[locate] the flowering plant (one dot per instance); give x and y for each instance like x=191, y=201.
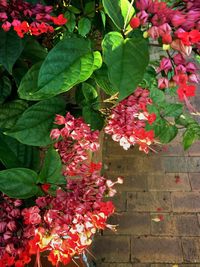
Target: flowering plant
x=69, y=70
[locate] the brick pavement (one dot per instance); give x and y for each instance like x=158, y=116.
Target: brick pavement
x=163, y=186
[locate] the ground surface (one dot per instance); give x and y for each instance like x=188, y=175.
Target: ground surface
x=158, y=208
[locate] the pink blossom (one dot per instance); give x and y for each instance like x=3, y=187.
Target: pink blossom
x=165, y=65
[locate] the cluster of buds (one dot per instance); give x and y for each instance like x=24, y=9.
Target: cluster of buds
x=128, y=119
x=26, y=18
x=13, y=244
x=177, y=27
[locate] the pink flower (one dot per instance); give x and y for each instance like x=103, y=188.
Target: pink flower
x=31, y=215
x=154, y=32
x=6, y=26
x=142, y=16
x=165, y=65
x=178, y=19
x=142, y=4
x=163, y=83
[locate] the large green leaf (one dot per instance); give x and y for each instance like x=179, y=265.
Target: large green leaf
x=120, y=11
x=84, y=26
x=28, y=85
x=33, y=51
x=14, y=154
x=5, y=88
x=19, y=183
x=52, y=168
x=35, y=124
x=173, y=110
x=70, y=62
x=168, y=133
x=102, y=80
x=126, y=61
x=11, y=47
x=10, y=112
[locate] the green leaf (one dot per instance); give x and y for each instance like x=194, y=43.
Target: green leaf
x=28, y=85
x=189, y=137
x=71, y=23
x=93, y=117
x=168, y=133
x=173, y=110
x=33, y=51
x=157, y=96
x=102, y=80
x=84, y=26
x=14, y=154
x=89, y=92
x=126, y=61
x=120, y=12
x=5, y=88
x=35, y=124
x=10, y=112
x=69, y=63
x=52, y=168
x=18, y=183
x=11, y=47
x=89, y=9
x=103, y=18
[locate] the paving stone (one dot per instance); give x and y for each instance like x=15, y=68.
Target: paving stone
x=186, y=201
x=175, y=265
x=195, y=181
x=191, y=248
x=175, y=164
x=112, y=249
x=194, y=150
x=175, y=225
x=116, y=265
x=168, y=182
x=193, y=164
x=186, y=225
x=148, y=201
x=130, y=223
x=119, y=200
x=135, y=182
x=156, y=249
x=164, y=227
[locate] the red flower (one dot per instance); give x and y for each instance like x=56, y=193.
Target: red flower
x=151, y=118
x=135, y=23
x=22, y=29
x=60, y=20
x=186, y=90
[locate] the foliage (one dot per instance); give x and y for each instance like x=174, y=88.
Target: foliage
x=68, y=70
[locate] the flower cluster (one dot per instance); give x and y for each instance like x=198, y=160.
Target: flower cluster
x=26, y=18
x=13, y=243
x=128, y=120
x=178, y=28
x=183, y=73
x=77, y=140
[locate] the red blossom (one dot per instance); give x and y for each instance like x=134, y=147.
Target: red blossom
x=60, y=20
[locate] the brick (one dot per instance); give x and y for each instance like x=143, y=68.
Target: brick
x=179, y=265
x=135, y=182
x=191, y=248
x=195, y=181
x=175, y=164
x=172, y=149
x=115, y=265
x=164, y=227
x=194, y=150
x=193, y=164
x=130, y=223
x=186, y=201
x=119, y=200
x=167, y=182
x=176, y=225
x=186, y=225
x=156, y=249
x=111, y=249
x=148, y=201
